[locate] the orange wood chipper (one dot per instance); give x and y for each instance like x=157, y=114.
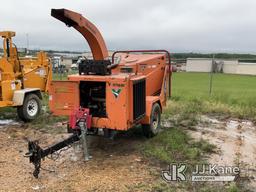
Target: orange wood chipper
x=22, y=79
x=108, y=95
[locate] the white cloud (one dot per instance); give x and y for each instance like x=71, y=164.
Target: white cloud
x=176, y=25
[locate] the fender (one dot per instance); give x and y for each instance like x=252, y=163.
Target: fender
x=150, y=100
x=19, y=95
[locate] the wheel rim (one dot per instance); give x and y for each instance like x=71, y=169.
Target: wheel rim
x=155, y=121
x=32, y=107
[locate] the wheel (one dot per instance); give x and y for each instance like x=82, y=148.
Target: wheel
x=30, y=109
x=153, y=128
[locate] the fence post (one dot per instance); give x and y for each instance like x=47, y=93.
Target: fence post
x=211, y=75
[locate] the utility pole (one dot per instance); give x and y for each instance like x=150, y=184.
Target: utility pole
x=27, y=43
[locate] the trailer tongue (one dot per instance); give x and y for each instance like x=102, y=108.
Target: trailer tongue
x=36, y=153
x=79, y=123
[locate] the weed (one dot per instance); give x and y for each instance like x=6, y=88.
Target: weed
x=175, y=145
x=233, y=188
x=8, y=113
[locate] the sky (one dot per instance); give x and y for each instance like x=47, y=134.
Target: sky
x=176, y=25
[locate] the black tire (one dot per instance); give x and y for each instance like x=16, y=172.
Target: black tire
x=153, y=128
x=30, y=109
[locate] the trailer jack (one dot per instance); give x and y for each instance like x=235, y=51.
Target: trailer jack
x=79, y=122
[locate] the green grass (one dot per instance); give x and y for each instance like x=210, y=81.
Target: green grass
x=232, y=95
x=8, y=113
x=63, y=76
x=57, y=77
x=226, y=88
x=175, y=145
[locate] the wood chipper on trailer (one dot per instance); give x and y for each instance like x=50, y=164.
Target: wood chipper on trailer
x=22, y=79
x=108, y=95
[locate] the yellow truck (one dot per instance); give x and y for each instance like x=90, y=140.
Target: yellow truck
x=22, y=79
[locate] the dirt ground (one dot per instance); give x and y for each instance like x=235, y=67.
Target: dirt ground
x=235, y=140
x=115, y=165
